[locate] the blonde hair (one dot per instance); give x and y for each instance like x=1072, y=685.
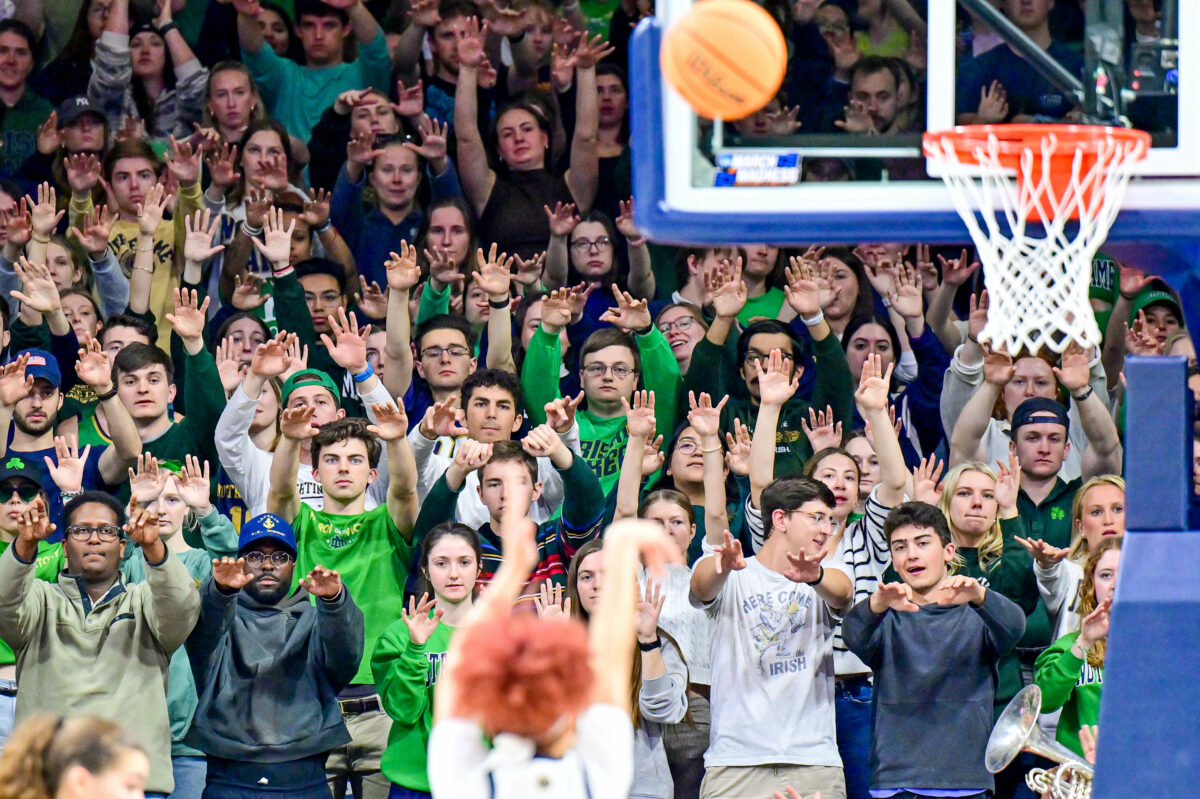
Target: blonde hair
x=1087, y=596
x=1079, y=544
x=991, y=546
x=45, y=747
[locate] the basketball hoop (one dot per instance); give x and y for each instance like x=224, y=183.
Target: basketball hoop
x=1055, y=175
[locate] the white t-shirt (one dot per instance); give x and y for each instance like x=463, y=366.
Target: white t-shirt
x=772, y=671
x=598, y=766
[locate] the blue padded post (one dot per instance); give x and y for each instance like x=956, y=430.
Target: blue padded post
x=1148, y=716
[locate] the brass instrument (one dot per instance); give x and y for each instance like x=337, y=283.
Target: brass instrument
x=1017, y=731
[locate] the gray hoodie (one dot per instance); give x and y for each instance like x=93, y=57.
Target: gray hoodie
x=269, y=675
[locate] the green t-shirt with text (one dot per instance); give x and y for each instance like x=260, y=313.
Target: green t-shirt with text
x=372, y=557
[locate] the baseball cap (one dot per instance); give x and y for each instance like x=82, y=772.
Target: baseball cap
x=17, y=467
x=42, y=366
x=73, y=108
x=1156, y=292
x=1104, y=278
x=1040, y=410
x=307, y=377
x=266, y=527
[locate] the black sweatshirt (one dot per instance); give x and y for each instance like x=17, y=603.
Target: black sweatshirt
x=935, y=677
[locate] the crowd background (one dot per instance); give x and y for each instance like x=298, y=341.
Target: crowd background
x=305, y=303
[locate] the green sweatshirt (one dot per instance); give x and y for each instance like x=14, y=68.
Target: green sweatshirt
x=1072, y=684
x=602, y=441
x=834, y=387
x=50, y=561
x=405, y=674
x=220, y=540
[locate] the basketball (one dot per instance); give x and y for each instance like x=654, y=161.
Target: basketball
x=726, y=57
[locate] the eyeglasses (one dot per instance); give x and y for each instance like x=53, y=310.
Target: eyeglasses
x=98, y=10
x=819, y=519
x=682, y=324
x=277, y=558
x=454, y=351
x=687, y=446
x=619, y=370
x=81, y=532
x=583, y=245
x=27, y=492
x=753, y=357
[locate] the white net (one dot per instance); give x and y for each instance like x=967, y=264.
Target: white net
x=1036, y=258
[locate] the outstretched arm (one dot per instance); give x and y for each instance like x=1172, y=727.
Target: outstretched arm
x=295, y=425
x=392, y=427
x=473, y=170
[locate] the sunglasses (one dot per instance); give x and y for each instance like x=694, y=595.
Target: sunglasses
x=27, y=492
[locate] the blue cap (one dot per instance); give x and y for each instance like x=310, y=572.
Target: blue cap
x=1040, y=410
x=266, y=527
x=42, y=366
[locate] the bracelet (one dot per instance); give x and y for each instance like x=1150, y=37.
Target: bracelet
x=717, y=448
x=1085, y=395
x=278, y=273
x=1078, y=650
x=149, y=269
x=107, y=395
x=972, y=339
x=820, y=577
x=323, y=229
x=815, y=320
x=499, y=305
x=645, y=331
x=251, y=231
x=638, y=242
x=364, y=375
x=650, y=647
x=40, y=241
x=165, y=29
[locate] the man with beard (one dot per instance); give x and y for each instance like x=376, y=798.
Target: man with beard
x=271, y=663
x=31, y=398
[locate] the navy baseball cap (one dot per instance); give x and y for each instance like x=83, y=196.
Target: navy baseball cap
x=42, y=366
x=73, y=108
x=18, y=467
x=1040, y=410
x=266, y=527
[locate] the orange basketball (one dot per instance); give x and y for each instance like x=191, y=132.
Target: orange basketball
x=726, y=57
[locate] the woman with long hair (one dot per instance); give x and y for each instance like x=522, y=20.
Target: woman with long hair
x=53, y=757
x=411, y=652
x=233, y=101
x=147, y=73
x=68, y=74
x=1071, y=672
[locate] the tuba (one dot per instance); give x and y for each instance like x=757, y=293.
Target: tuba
x=1017, y=731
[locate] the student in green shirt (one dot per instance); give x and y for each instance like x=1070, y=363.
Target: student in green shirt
x=23, y=111
x=1071, y=672
x=610, y=362
x=371, y=549
x=409, y=656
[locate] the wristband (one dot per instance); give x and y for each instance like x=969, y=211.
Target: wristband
x=645, y=331
x=278, y=273
x=323, y=229
x=165, y=29
x=650, y=647
x=1085, y=395
x=814, y=320
x=820, y=577
x=500, y=305
x=107, y=395
x=364, y=375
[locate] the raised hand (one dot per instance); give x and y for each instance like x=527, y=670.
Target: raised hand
x=893, y=596
x=38, y=290
x=504, y=21
x=142, y=527
x=959, y=589
x=403, y=272
x=1133, y=280
x=322, y=582
x=222, y=168
x=529, y=272
x=150, y=213
x=273, y=357
x=1045, y=554
x=201, y=228
x=231, y=574
x=274, y=176
x=248, y=292
x=704, y=417
x=927, y=487
x=276, y=245
x=419, y=621
x=228, y=368
x=442, y=269
x=296, y=423
x=316, y=210
x=1008, y=483
x=183, y=160
x=563, y=219
x=194, y=482
x=97, y=226
x=728, y=291
x=18, y=223
x=805, y=284
x=1073, y=371
x=784, y=122
x=411, y=98
x=14, y=384
x=190, y=314
x=67, y=473
x=146, y=480
x=907, y=299
x=626, y=226
x=44, y=210
x=993, y=104
x=630, y=314
x=729, y=554
x=258, y=205
x=956, y=272
x=443, y=419
x=639, y=417
x=494, y=275
x=857, y=119
x=649, y=606
x=560, y=413
x=470, y=454
x=556, y=310
x=83, y=173
x=653, y=457
x=542, y=442
x=804, y=568
x=552, y=601
x=348, y=347
x=998, y=367
x=94, y=366
x=775, y=386
x=371, y=299
x=1138, y=338
x=434, y=138
x=391, y=422
x=590, y=52
x=48, y=137
x=34, y=524
x=873, y=385
x=1095, y=625
x=471, y=52
x=821, y=430
x=737, y=443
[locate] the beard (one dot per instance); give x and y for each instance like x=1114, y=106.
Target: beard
x=28, y=429
x=269, y=595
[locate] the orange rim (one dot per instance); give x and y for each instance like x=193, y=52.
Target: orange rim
x=1012, y=141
